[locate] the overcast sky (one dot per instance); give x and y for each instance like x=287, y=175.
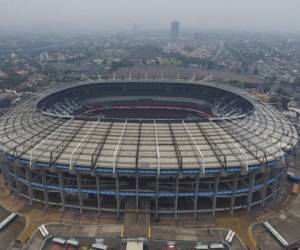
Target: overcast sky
x=103, y=15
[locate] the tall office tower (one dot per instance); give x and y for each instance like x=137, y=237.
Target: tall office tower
x=175, y=30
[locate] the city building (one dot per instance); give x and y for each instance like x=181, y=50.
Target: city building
x=175, y=30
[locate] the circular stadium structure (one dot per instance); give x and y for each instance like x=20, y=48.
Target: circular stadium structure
x=169, y=147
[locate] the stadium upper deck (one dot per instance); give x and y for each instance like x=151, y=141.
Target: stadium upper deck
x=184, y=147
x=238, y=131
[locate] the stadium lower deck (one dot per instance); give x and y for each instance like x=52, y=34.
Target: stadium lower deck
x=145, y=109
x=175, y=166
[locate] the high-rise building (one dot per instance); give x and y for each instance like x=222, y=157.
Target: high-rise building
x=44, y=57
x=175, y=30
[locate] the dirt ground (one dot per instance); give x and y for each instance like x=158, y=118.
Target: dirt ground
x=11, y=230
x=264, y=238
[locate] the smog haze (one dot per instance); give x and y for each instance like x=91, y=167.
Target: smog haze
x=114, y=15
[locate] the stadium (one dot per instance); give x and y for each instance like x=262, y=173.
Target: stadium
x=169, y=147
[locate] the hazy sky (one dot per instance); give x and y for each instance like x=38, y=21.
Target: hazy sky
x=93, y=15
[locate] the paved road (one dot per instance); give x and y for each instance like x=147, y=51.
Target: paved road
x=192, y=236
x=136, y=224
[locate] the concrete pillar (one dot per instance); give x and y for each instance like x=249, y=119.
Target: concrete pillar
x=98, y=194
x=196, y=196
x=79, y=192
x=44, y=181
x=16, y=175
x=216, y=187
x=264, y=189
x=282, y=178
x=137, y=193
x=176, y=197
x=6, y=173
x=117, y=196
x=3, y=167
x=250, y=192
x=275, y=182
x=62, y=191
x=233, y=196
x=156, y=197
x=29, y=184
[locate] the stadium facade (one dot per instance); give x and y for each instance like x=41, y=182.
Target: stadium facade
x=176, y=146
